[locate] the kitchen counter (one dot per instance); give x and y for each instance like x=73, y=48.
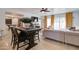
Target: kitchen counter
x=67, y=36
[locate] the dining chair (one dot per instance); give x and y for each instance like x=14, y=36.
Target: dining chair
x=37, y=36
x=12, y=35
x=18, y=38
x=13, y=38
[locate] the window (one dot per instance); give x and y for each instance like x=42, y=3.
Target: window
x=48, y=21
x=56, y=23
x=60, y=22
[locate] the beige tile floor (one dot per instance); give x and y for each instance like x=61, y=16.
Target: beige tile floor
x=44, y=44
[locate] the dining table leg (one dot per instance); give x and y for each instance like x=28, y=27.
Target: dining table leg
x=31, y=43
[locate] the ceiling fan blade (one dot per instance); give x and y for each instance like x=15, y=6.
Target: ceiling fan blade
x=46, y=9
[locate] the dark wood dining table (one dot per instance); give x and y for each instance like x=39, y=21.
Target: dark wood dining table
x=31, y=40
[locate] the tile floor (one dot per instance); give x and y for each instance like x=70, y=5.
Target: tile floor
x=44, y=44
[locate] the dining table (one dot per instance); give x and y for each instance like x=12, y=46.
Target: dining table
x=27, y=31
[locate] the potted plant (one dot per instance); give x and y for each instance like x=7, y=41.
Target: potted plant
x=26, y=22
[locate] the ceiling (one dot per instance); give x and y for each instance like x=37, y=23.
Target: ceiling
x=27, y=12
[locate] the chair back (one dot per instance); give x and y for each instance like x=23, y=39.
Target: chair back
x=14, y=32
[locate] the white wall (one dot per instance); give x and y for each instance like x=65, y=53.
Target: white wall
x=76, y=19
x=2, y=21
x=15, y=21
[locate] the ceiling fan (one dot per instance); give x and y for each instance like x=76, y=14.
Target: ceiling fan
x=44, y=10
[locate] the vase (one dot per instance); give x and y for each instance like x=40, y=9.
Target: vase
x=26, y=25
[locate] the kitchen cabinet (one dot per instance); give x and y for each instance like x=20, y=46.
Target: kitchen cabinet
x=55, y=35
x=72, y=38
